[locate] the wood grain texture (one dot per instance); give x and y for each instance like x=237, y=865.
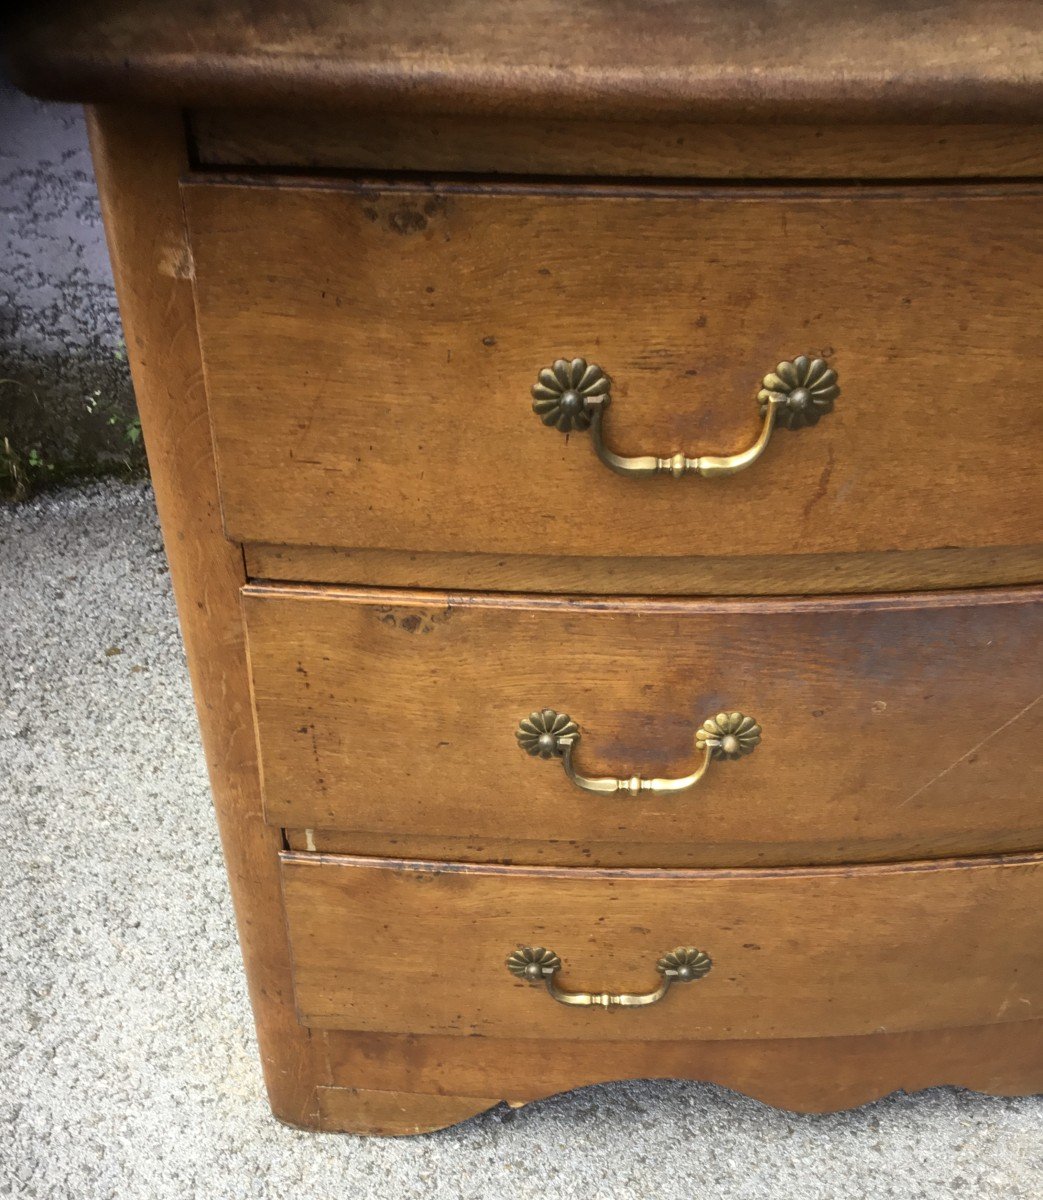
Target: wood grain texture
x=426, y=1081
x=369, y=353
x=138, y=157
x=376, y=432
x=893, y=727
x=685, y=59
x=639, y=852
x=768, y=575
x=389, y=141
x=396, y=1114
x=403, y=947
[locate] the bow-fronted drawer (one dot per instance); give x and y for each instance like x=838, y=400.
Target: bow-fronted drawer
x=437, y=948
x=661, y=733
x=638, y=372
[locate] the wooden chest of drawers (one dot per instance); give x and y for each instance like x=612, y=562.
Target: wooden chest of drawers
x=606, y=512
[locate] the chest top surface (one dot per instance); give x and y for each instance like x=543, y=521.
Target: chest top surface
x=751, y=60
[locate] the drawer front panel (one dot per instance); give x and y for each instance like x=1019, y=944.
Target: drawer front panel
x=421, y=948
x=370, y=352
x=891, y=727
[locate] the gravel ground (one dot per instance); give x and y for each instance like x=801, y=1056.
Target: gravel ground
x=129, y=1064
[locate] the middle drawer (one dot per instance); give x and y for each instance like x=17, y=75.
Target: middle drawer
x=890, y=727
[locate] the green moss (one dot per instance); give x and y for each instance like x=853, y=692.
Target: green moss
x=64, y=419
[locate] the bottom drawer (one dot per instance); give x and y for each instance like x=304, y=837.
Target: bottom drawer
x=421, y=947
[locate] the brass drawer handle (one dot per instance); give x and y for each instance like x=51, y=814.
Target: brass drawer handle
x=549, y=734
x=574, y=395
x=538, y=965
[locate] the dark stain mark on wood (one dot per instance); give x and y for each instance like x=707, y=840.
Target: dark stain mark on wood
x=406, y=220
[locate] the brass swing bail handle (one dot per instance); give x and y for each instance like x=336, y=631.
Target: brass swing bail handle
x=546, y=733
x=536, y=964
x=575, y=396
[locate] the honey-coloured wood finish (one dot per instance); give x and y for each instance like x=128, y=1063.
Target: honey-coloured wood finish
x=428, y=1082
x=802, y=1074
x=394, y=714
x=420, y=948
x=693, y=60
x=706, y=575
x=370, y=350
x=138, y=157
x=393, y=1114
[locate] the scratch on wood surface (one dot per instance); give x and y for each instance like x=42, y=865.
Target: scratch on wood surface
x=1008, y=998
x=963, y=757
x=304, y=427
x=821, y=486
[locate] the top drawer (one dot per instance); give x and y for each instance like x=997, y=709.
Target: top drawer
x=370, y=353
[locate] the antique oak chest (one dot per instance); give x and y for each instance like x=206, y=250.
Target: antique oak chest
x=599, y=454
